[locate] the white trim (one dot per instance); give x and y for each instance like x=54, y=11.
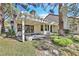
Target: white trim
x=23, y=31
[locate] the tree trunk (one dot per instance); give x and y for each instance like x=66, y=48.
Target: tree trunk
x=1, y=19
x=3, y=28
x=61, y=31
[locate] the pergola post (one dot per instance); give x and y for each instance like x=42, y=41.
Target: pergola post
x=44, y=29
x=23, y=30
x=49, y=27
x=23, y=25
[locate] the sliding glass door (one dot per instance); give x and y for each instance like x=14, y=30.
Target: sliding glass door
x=29, y=28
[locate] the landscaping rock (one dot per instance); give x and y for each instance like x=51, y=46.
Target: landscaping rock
x=71, y=47
x=76, y=37
x=63, y=53
x=39, y=48
x=29, y=38
x=46, y=52
x=68, y=51
x=56, y=52
x=1, y=37
x=47, y=48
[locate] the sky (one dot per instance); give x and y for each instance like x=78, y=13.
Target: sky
x=39, y=11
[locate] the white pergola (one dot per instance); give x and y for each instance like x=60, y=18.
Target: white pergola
x=23, y=23
x=23, y=17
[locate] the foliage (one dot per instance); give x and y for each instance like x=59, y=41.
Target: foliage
x=62, y=41
x=67, y=31
x=54, y=34
x=11, y=32
x=73, y=9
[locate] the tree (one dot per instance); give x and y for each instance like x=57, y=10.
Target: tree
x=8, y=12
x=5, y=12
x=64, y=10
x=63, y=21
x=73, y=9
x=1, y=18
x=61, y=25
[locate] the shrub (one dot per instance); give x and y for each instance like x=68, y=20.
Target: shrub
x=11, y=32
x=55, y=34
x=67, y=31
x=62, y=41
x=53, y=37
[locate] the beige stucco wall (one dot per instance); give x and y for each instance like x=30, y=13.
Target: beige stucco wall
x=37, y=25
x=37, y=28
x=55, y=28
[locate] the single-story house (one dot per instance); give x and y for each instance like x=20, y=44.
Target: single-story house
x=35, y=25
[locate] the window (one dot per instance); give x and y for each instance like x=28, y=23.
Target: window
x=19, y=27
x=51, y=28
x=75, y=27
x=41, y=27
x=48, y=27
x=45, y=27
x=29, y=28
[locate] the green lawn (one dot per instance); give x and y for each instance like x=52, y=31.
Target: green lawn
x=14, y=47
